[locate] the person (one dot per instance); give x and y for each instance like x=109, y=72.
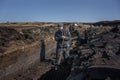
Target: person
x=42, y=53
x=62, y=37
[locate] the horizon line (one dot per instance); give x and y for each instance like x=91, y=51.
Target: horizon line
x=57, y=21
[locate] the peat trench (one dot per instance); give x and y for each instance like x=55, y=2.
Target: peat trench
x=94, y=57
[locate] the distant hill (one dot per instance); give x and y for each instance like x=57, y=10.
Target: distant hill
x=105, y=23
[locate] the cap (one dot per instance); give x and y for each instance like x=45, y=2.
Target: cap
x=60, y=25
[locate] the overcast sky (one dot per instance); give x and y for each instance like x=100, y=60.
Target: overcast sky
x=59, y=10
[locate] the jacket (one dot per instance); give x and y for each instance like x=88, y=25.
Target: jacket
x=62, y=42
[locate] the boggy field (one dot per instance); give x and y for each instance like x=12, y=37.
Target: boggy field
x=93, y=44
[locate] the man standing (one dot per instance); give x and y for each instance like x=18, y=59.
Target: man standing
x=62, y=37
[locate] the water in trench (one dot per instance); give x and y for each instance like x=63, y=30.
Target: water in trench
x=60, y=74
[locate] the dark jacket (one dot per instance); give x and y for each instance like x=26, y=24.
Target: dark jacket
x=62, y=42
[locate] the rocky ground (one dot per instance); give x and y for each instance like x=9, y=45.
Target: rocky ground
x=95, y=57
x=15, y=39
x=95, y=52
x=98, y=57
x=13, y=36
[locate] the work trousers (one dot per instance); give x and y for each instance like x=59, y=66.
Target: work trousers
x=62, y=50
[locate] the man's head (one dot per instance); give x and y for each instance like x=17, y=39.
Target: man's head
x=60, y=26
